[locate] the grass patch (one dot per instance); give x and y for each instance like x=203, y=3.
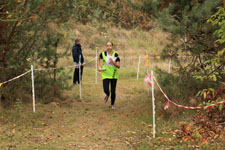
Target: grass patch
x=89, y=123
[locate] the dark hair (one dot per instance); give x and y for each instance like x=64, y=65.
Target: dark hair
x=111, y=43
x=77, y=40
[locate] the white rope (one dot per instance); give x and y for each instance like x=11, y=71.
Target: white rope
x=16, y=77
x=65, y=66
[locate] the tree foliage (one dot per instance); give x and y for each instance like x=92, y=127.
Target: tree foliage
x=192, y=35
x=31, y=33
x=26, y=37
x=116, y=12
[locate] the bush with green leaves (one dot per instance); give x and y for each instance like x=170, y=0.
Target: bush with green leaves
x=27, y=38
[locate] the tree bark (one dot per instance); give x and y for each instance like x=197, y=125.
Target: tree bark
x=55, y=65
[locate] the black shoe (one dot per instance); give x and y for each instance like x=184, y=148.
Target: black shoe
x=106, y=99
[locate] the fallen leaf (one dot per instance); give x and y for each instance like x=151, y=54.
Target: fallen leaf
x=216, y=136
x=127, y=142
x=44, y=124
x=159, y=138
x=205, y=142
x=14, y=131
x=211, y=133
x=150, y=125
x=185, y=139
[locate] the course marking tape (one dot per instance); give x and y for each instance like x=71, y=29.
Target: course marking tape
x=181, y=106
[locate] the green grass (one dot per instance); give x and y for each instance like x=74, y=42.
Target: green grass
x=71, y=123
x=129, y=41
x=91, y=124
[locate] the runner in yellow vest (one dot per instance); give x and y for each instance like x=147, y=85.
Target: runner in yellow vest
x=111, y=64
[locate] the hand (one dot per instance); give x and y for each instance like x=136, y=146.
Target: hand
x=99, y=69
x=111, y=61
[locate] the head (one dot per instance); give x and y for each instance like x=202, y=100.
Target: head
x=109, y=45
x=77, y=41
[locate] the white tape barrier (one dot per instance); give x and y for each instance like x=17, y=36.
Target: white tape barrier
x=15, y=78
x=46, y=69
x=54, y=68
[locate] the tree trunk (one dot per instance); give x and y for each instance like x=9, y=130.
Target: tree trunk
x=55, y=65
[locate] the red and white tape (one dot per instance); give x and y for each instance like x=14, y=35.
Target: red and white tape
x=47, y=69
x=42, y=70
x=15, y=78
x=181, y=106
x=147, y=79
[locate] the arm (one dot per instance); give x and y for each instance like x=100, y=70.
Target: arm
x=99, y=65
x=75, y=55
x=116, y=64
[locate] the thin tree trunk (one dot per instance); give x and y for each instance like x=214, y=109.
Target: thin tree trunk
x=55, y=65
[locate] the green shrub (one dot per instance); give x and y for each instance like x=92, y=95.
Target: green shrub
x=176, y=88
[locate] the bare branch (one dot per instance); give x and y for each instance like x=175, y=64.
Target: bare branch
x=12, y=20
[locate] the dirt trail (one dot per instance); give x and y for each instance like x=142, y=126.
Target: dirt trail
x=94, y=125
x=89, y=125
